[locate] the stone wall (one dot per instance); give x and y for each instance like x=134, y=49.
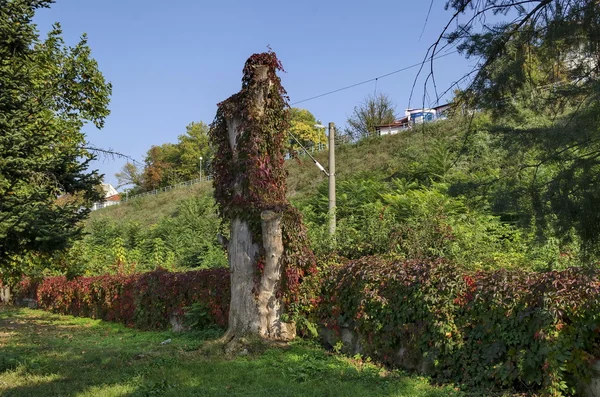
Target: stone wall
x=352, y=343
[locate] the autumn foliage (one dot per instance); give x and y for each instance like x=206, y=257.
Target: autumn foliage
x=526, y=330
x=144, y=300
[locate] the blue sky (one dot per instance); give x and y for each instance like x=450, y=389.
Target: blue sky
x=171, y=62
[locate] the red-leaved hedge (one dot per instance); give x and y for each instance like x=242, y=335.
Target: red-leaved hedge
x=502, y=328
x=144, y=300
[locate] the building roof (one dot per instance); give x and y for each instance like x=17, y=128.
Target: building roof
x=398, y=123
x=405, y=120
x=116, y=197
x=436, y=108
x=108, y=190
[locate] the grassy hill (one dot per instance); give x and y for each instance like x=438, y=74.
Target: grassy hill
x=149, y=210
x=383, y=157
x=432, y=191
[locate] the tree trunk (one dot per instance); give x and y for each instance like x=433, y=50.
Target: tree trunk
x=255, y=305
x=249, y=131
x=269, y=304
x=242, y=252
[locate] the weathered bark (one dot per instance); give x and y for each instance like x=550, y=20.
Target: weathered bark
x=243, y=310
x=5, y=294
x=255, y=307
x=269, y=305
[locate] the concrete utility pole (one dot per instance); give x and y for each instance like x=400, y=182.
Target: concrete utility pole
x=330, y=174
x=331, y=179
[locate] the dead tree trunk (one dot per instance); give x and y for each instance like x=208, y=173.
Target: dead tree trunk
x=249, y=133
x=269, y=304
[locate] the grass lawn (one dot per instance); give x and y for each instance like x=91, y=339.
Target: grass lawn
x=42, y=354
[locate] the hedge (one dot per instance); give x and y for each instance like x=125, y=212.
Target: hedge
x=144, y=300
x=505, y=328
x=502, y=328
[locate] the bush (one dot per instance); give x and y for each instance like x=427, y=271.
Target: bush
x=504, y=328
x=144, y=300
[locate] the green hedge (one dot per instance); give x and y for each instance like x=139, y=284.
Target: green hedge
x=503, y=328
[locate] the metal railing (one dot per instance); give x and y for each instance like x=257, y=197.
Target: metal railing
x=126, y=198
x=154, y=192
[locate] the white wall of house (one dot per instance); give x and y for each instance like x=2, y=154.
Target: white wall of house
x=390, y=130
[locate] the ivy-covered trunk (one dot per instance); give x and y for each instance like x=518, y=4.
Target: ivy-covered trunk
x=268, y=251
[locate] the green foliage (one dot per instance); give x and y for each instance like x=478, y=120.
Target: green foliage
x=374, y=111
x=187, y=239
x=538, y=78
x=49, y=91
x=435, y=191
x=495, y=329
x=302, y=126
x=171, y=163
x=197, y=316
x=441, y=190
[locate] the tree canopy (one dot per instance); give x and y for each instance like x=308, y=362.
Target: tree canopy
x=302, y=125
x=171, y=163
x=537, y=76
x=48, y=92
x=373, y=111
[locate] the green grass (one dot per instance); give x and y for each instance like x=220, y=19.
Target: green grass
x=43, y=354
x=382, y=156
x=148, y=210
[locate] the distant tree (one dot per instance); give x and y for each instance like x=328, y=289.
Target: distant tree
x=375, y=110
x=161, y=166
x=193, y=145
x=302, y=125
x=48, y=91
x=171, y=163
x=129, y=175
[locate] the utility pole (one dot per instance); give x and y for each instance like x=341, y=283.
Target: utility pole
x=331, y=179
x=330, y=174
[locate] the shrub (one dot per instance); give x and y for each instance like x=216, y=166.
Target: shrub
x=24, y=289
x=505, y=328
x=144, y=300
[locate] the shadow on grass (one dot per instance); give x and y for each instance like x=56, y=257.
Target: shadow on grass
x=62, y=356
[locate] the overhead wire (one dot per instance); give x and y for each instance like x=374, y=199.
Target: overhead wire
x=370, y=80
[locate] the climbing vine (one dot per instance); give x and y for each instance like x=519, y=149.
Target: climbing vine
x=251, y=178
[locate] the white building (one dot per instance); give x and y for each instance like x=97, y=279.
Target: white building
x=412, y=117
x=111, y=197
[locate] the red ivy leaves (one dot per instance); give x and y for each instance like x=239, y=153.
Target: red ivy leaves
x=533, y=330
x=253, y=179
x=145, y=300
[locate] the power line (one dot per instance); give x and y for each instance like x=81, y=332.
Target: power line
x=370, y=80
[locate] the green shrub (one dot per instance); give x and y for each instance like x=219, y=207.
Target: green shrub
x=504, y=328
x=197, y=316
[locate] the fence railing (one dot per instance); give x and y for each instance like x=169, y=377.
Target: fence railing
x=154, y=192
x=126, y=198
